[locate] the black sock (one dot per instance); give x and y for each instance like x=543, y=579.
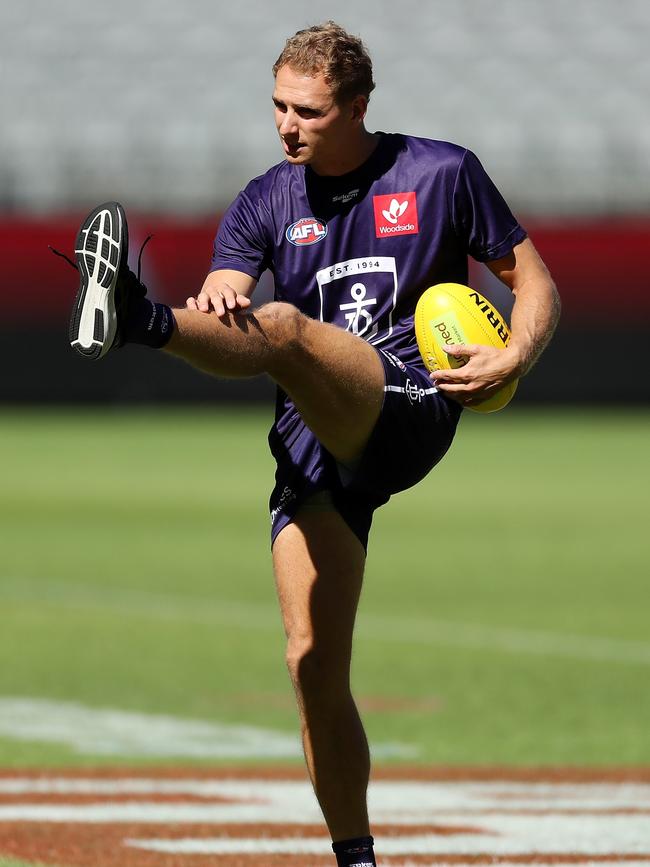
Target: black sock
x=357, y=852
x=149, y=323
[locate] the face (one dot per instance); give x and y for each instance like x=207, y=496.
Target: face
x=314, y=129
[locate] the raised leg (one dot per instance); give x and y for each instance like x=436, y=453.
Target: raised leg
x=319, y=566
x=335, y=378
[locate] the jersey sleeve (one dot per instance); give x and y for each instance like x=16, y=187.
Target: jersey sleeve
x=241, y=243
x=480, y=215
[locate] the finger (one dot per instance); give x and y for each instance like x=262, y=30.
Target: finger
x=463, y=394
x=191, y=303
x=203, y=302
x=452, y=375
x=452, y=388
x=465, y=350
x=211, y=300
x=217, y=303
x=228, y=296
x=233, y=300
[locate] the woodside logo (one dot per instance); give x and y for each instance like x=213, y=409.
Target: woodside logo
x=396, y=214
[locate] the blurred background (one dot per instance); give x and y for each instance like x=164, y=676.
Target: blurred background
x=134, y=567
x=166, y=107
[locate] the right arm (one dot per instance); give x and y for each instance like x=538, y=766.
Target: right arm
x=224, y=291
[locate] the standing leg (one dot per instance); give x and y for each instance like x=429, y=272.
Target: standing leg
x=319, y=566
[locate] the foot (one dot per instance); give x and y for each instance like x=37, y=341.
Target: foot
x=106, y=284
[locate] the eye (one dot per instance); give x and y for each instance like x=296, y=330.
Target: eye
x=279, y=105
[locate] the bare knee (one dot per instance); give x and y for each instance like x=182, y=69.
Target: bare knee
x=283, y=324
x=320, y=675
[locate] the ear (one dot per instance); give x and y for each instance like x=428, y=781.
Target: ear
x=359, y=107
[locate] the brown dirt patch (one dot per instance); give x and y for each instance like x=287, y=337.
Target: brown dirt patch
x=102, y=845
x=431, y=773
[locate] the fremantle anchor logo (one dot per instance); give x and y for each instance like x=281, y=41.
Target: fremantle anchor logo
x=358, y=318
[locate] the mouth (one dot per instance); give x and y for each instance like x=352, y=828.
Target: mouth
x=291, y=148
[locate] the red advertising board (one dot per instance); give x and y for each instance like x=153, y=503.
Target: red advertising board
x=601, y=266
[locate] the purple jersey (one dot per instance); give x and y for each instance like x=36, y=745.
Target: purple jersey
x=359, y=250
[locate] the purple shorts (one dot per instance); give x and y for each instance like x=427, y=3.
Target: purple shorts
x=414, y=430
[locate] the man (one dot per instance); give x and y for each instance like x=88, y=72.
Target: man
x=354, y=226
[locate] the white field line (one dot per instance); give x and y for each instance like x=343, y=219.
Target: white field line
x=513, y=837
x=498, y=835
x=402, y=803
x=372, y=627
x=108, y=731
x=177, y=812
x=414, y=800
x=264, y=800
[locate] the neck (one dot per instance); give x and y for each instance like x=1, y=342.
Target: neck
x=353, y=157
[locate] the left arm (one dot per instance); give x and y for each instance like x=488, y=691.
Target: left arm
x=534, y=316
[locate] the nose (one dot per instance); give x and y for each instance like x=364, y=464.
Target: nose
x=288, y=125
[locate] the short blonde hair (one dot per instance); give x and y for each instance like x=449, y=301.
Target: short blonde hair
x=329, y=49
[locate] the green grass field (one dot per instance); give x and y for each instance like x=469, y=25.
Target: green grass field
x=12, y=862
x=504, y=617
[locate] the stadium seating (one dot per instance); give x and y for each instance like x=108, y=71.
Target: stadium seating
x=166, y=104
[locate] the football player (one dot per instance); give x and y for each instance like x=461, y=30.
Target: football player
x=354, y=225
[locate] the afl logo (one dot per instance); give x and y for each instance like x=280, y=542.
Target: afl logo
x=306, y=231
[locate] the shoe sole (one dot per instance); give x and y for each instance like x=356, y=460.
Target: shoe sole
x=101, y=246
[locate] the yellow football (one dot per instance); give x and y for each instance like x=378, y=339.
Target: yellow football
x=450, y=313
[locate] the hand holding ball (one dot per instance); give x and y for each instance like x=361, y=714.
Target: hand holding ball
x=448, y=314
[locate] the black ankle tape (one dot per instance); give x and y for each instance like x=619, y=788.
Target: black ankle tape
x=357, y=852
